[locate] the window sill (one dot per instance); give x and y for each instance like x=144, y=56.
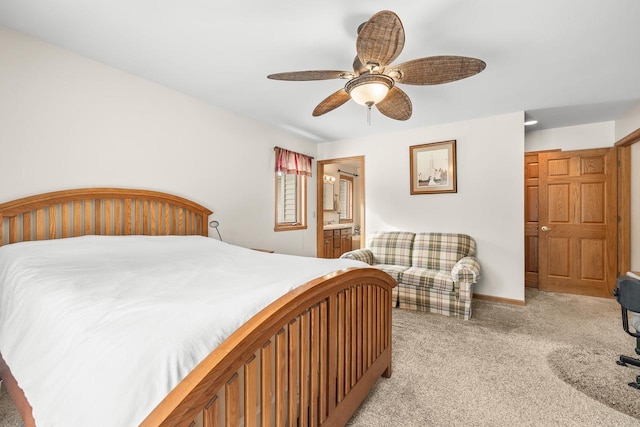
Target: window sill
x=289, y=227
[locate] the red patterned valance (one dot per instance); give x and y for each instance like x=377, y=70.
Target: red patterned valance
x=292, y=162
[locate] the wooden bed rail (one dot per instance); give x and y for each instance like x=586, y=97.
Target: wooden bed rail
x=106, y=211
x=308, y=359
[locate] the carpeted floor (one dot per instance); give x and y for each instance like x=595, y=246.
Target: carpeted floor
x=8, y=415
x=550, y=363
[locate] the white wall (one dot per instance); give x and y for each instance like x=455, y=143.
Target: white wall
x=624, y=126
x=581, y=137
x=489, y=204
x=67, y=121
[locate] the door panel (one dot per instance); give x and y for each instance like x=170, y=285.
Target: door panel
x=559, y=203
x=577, y=222
x=560, y=264
x=593, y=254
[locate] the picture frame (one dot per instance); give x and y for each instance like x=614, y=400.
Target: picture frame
x=433, y=168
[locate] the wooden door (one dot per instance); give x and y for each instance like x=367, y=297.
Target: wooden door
x=531, y=175
x=577, y=237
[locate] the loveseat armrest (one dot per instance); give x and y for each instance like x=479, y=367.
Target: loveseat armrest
x=364, y=255
x=467, y=269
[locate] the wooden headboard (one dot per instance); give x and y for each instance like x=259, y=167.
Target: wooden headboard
x=106, y=211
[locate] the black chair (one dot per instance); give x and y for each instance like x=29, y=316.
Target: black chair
x=627, y=294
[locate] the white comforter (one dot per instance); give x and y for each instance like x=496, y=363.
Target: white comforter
x=97, y=330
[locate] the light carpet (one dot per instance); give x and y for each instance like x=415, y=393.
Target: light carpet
x=549, y=363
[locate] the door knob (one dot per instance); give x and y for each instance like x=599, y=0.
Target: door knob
x=545, y=228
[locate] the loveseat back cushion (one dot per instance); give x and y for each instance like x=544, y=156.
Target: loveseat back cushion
x=441, y=251
x=391, y=247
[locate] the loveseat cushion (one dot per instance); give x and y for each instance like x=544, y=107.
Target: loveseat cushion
x=422, y=277
x=392, y=270
x=441, y=251
x=391, y=247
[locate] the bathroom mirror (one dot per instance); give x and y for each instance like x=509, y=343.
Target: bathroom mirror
x=327, y=199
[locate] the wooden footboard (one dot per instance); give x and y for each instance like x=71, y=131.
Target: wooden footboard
x=308, y=359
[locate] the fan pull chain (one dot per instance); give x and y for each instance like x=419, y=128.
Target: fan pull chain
x=369, y=115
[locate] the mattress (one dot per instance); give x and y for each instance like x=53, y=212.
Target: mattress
x=98, y=329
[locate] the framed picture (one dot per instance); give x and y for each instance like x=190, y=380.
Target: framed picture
x=433, y=168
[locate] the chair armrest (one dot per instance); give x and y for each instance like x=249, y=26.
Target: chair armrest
x=467, y=269
x=364, y=255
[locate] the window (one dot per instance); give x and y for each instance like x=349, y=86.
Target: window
x=291, y=201
x=292, y=170
x=346, y=199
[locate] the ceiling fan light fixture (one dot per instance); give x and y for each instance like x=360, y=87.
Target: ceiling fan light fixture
x=369, y=89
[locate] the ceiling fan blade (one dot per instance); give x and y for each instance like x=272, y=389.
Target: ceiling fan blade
x=435, y=70
x=311, y=75
x=396, y=105
x=381, y=39
x=331, y=102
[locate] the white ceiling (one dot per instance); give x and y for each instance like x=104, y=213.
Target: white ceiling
x=564, y=62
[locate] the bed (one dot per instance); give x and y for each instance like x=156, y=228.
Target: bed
x=306, y=357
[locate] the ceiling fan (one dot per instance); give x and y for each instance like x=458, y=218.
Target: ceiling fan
x=373, y=80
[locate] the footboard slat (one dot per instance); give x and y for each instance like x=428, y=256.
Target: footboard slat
x=323, y=407
x=371, y=345
x=210, y=416
x=232, y=402
x=293, y=357
x=366, y=339
x=305, y=360
x=315, y=365
x=354, y=335
x=341, y=345
x=281, y=377
x=250, y=392
x=347, y=342
x=266, y=386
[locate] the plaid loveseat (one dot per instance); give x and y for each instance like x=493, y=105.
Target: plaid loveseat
x=434, y=271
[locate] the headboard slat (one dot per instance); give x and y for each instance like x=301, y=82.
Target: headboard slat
x=154, y=218
x=109, y=211
x=40, y=224
x=26, y=227
x=13, y=230
x=127, y=217
x=117, y=220
x=52, y=222
x=87, y=217
x=181, y=230
x=77, y=218
x=167, y=219
x=66, y=223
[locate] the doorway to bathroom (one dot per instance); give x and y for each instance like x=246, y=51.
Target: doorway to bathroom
x=340, y=206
